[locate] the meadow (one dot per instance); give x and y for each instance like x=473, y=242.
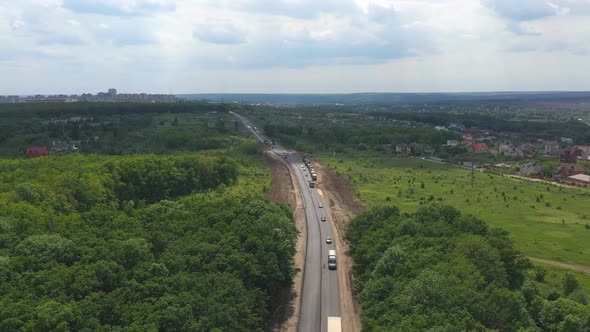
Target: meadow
x=544, y=220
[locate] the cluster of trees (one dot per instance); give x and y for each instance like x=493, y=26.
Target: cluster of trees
x=48, y=110
x=322, y=135
x=97, y=243
x=437, y=269
x=116, y=128
x=551, y=130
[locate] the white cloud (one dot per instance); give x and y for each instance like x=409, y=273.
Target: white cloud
x=290, y=45
x=220, y=32
x=119, y=7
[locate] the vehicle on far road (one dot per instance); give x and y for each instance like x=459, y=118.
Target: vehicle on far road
x=332, y=259
x=323, y=218
x=328, y=240
x=321, y=205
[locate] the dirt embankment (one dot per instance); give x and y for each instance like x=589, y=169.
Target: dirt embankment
x=343, y=206
x=283, y=189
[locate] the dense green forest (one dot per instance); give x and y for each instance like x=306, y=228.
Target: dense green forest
x=143, y=243
x=353, y=136
x=550, y=130
x=117, y=128
x=342, y=129
x=439, y=270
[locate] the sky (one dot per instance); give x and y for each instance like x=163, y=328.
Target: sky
x=293, y=46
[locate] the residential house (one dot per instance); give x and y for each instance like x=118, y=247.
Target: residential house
x=567, y=140
x=61, y=147
x=569, y=170
x=480, y=147
x=579, y=180
x=404, y=149
x=452, y=142
x=456, y=126
x=476, y=147
x=551, y=149
x=468, y=136
x=37, y=151
x=502, y=165
x=568, y=155
x=486, y=138
x=585, y=154
x=510, y=151
x=529, y=168
x=528, y=150
x=573, y=154
x=386, y=147
x=441, y=128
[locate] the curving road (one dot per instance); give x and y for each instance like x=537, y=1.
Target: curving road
x=320, y=298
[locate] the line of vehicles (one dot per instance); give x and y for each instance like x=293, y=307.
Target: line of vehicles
x=312, y=182
x=313, y=174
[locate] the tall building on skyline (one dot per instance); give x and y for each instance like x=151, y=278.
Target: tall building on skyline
x=112, y=93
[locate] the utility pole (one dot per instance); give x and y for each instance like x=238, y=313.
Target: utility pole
x=472, y=174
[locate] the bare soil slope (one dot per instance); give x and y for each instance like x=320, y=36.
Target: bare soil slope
x=284, y=190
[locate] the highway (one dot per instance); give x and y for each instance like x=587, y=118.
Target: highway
x=320, y=296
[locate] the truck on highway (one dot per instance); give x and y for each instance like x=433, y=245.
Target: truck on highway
x=314, y=176
x=334, y=324
x=332, y=259
x=312, y=184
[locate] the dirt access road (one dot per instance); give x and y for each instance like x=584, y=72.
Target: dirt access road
x=342, y=207
x=575, y=267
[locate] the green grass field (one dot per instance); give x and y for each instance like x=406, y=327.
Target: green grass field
x=545, y=221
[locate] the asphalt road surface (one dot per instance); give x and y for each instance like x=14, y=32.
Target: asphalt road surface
x=320, y=297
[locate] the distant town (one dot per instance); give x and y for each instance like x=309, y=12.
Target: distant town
x=110, y=96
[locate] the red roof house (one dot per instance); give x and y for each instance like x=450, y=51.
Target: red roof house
x=468, y=136
x=37, y=151
x=476, y=147
x=480, y=147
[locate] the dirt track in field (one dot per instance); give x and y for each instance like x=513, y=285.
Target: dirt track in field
x=575, y=267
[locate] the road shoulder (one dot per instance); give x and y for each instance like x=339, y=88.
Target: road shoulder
x=284, y=189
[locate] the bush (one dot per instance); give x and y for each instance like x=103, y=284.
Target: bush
x=539, y=274
x=569, y=283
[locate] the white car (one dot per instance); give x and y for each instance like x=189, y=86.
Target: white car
x=328, y=240
x=323, y=219
x=321, y=205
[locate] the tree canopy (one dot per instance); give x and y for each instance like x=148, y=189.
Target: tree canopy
x=142, y=243
x=437, y=269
